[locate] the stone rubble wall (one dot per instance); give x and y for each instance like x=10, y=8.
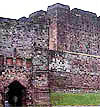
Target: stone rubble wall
x=21, y=38
x=44, y=37
x=76, y=71
x=74, y=30
x=25, y=38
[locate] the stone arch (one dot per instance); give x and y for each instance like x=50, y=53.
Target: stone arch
x=15, y=93
x=8, y=77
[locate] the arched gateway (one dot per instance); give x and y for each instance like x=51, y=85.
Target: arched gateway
x=16, y=94
x=22, y=88
x=13, y=87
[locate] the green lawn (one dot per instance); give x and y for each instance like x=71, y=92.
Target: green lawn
x=75, y=99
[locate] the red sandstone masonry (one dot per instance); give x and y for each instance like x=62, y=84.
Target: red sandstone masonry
x=44, y=38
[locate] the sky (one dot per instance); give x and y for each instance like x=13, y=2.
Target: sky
x=18, y=8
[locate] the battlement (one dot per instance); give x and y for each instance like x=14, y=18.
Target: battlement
x=37, y=14
x=50, y=11
x=2, y=19
x=58, y=5
x=83, y=13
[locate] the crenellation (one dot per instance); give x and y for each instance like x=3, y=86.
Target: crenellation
x=37, y=14
x=83, y=13
x=58, y=5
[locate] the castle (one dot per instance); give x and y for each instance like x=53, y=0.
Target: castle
x=36, y=51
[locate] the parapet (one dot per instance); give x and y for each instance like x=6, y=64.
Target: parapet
x=22, y=19
x=6, y=19
x=58, y=5
x=82, y=12
x=37, y=14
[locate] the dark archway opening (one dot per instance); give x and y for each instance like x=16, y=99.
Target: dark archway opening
x=16, y=93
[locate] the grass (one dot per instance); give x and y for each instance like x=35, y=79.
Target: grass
x=75, y=99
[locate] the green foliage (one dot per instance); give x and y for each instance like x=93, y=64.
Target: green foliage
x=75, y=99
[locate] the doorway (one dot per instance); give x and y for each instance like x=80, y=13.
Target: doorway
x=16, y=93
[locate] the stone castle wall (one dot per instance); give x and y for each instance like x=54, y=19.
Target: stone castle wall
x=58, y=41
x=77, y=30
x=76, y=71
x=24, y=56
x=74, y=35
